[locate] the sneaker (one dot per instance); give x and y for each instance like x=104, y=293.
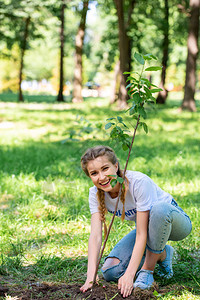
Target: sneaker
x=144, y=279
x=165, y=266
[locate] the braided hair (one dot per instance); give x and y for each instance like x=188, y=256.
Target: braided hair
x=91, y=154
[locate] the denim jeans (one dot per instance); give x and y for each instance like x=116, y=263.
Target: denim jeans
x=166, y=222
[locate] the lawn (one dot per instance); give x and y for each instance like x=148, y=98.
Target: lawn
x=45, y=218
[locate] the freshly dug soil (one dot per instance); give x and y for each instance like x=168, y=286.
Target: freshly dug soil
x=47, y=291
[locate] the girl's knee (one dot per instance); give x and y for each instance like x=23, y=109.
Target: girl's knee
x=111, y=269
x=110, y=262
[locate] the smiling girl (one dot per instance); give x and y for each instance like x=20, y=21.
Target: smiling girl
x=157, y=216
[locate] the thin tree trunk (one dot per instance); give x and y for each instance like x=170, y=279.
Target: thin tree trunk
x=23, y=49
x=162, y=96
x=124, y=47
x=190, y=81
x=77, y=87
x=60, y=96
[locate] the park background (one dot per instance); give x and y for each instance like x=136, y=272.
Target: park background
x=61, y=77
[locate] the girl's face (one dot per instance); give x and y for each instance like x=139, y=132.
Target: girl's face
x=99, y=169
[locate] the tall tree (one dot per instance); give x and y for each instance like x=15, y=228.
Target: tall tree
x=77, y=86
x=124, y=21
x=113, y=97
x=162, y=96
x=21, y=19
x=23, y=49
x=192, y=45
x=60, y=97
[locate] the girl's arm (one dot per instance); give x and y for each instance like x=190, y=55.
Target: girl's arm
x=94, y=246
x=125, y=283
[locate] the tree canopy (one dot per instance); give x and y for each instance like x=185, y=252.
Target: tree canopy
x=114, y=30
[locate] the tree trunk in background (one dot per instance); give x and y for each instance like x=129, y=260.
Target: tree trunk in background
x=190, y=81
x=124, y=47
x=114, y=93
x=162, y=96
x=60, y=97
x=23, y=49
x=77, y=86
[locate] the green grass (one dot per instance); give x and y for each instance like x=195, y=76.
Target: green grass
x=45, y=218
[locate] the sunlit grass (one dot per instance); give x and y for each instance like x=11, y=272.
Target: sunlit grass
x=45, y=218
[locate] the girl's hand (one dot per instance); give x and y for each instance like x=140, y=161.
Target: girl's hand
x=87, y=285
x=125, y=285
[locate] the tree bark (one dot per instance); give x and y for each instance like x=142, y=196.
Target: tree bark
x=23, y=49
x=192, y=44
x=114, y=93
x=77, y=86
x=162, y=96
x=124, y=47
x=60, y=96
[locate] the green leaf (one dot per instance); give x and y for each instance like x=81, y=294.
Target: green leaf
x=142, y=112
x=124, y=125
x=132, y=110
x=119, y=119
x=155, y=90
x=155, y=68
x=129, y=78
x=154, y=85
x=154, y=57
x=130, y=92
x=110, y=119
x=148, y=93
x=125, y=147
x=136, y=97
x=115, y=176
x=108, y=125
x=131, y=73
x=139, y=58
x=151, y=101
x=119, y=129
x=149, y=56
x=145, y=127
x=113, y=182
x=129, y=85
x=145, y=81
x=120, y=179
x=113, y=133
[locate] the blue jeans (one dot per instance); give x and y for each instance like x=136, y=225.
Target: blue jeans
x=166, y=222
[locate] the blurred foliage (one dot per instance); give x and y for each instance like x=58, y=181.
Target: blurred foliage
x=101, y=39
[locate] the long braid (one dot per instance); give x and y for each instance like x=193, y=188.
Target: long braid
x=102, y=208
x=123, y=192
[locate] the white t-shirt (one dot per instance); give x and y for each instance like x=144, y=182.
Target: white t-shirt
x=141, y=195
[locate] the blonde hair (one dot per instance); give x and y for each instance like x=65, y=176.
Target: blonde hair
x=93, y=153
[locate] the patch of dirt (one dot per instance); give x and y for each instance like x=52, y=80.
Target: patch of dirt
x=108, y=291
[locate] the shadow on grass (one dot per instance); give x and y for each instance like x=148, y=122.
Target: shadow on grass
x=42, y=159
x=49, y=99
x=45, y=159
x=12, y=97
